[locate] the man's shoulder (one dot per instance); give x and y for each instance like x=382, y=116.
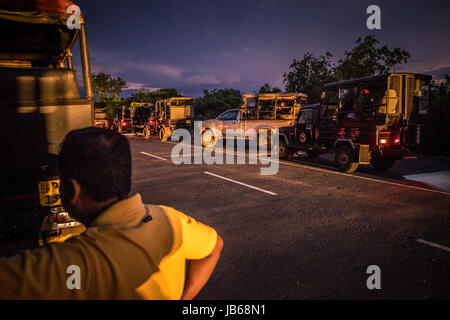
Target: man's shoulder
x=155, y=209
x=165, y=213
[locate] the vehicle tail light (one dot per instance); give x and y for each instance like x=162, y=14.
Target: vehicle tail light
x=397, y=141
x=124, y=124
x=383, y=141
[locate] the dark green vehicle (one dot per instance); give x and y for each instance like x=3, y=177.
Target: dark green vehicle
x=374, y=120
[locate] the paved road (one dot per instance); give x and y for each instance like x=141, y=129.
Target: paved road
x=309, y=232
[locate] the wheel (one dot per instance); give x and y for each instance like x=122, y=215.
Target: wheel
x=208, y=138
x=381, y=163
x=312, y=153
x=283, y=151
x=343, y=159
x=146, y=133
x=163, y=135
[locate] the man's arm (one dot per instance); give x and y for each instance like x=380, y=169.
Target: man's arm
x=200, y=271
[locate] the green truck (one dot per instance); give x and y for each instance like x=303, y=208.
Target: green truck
x=372, y=120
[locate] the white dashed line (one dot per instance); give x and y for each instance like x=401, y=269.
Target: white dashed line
x=434, y=245
x=152, y=155
x=240, y=183
x=332, y=171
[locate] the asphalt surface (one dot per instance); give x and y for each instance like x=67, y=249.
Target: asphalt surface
x=310, y=232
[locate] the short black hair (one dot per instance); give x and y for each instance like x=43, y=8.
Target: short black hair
x=99, y=160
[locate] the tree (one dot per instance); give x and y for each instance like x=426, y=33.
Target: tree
x=216, y=101
x=309, y=75
x=266, y=88
x=144, y=95
x=108, y=91
x=107, y=87
x=367, y=59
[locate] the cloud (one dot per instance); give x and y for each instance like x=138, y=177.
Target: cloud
x=200, y=78
x=195, y=78
x=138, y=86
x=172, y=72
x=152, y=75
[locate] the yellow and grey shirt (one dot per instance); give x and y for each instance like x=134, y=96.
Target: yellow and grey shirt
x=120, y=256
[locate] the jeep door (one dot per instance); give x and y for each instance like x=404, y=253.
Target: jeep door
x=328, y=126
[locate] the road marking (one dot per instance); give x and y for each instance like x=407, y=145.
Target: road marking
x=152, y=155
x=369, y=179
x=434, y=245
x=332, y=170
x=240, y=183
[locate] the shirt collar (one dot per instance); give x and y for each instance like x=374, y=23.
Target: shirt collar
x=125, y=213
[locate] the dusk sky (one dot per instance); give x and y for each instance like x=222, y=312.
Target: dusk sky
x=197, y=44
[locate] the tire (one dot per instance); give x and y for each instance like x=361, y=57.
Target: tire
x=313, y=154
x=343, y=159
x=283, y=151
x=208, y=138
x=163, y=135
x=381, y=163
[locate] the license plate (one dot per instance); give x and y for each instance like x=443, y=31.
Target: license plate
x=49, y=195
x=188, y=121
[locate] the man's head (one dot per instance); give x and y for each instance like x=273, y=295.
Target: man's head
x=95, y=170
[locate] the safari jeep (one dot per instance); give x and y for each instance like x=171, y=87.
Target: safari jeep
x=123, y=120
x=260, y=112
x=40, y=103
x=142, y=112
x=172, y=114
x=372, y=120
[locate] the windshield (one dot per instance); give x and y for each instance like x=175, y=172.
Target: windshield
x=306, y=116
x=231, y=115
x=142, y=112
x=126, y=113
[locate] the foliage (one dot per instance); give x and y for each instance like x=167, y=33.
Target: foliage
x=309, y=75
x=106, y=87
x=266, y=88
x=215, y=102
x=366, y=59
x=144, y=95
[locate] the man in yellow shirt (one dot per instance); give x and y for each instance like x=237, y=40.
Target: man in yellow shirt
x=129, y=250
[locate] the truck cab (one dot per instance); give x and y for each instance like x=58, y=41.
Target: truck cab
x=374, y=120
